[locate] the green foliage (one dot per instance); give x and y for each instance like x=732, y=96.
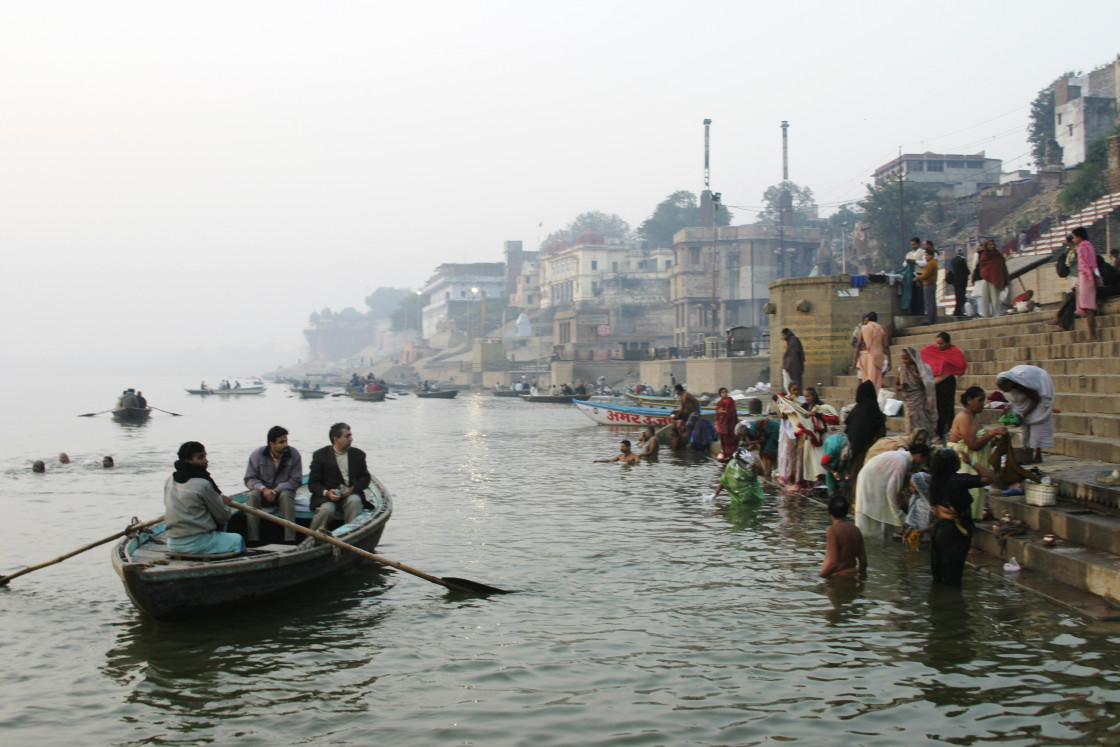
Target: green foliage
x=383, y=301
x=1040, y=130
x=678, y=210
x=407, y=314
x=1092, y=179
x=804, y=206
x=881, y=213
x=611, y=226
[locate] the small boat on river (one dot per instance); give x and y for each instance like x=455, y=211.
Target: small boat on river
x=228, y=392
x=168, y=586
x=378, y=396
x=132, y=414
x=437, y=394
x=312, y=394
x=556, y=399
x=508, y=392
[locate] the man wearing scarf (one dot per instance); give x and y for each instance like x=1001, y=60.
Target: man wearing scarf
x=196, y=509
x=274, y=474
x=992, y=269
x=947, y=362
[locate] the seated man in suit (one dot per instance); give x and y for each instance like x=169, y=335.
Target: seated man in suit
x=338, y=478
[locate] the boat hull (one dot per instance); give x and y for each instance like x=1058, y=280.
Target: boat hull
x=173, y=589
x=369, y=396
x=610, y=414
x=229, y=392
x=311, y=394
x=442, y=394
x=132, y=414
x=507, y=392
x=556, y=399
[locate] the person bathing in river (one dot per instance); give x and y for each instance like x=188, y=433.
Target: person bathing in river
x=845, y=553
x=648, y=443
x=682, y=417
x=625, y=455
x=726, y=420
x=196, y=510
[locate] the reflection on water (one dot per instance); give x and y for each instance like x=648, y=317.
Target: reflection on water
x=646, y=613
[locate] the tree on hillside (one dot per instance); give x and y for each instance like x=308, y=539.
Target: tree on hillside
x=804, y=206
x=383, y=302
x=407, y=314
x=1091, y=181
x=678, y=210
x=881, y=213
x=1040, y=130
x=611, y=226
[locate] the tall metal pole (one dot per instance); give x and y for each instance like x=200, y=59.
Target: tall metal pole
x=715, y=255
x=785, y=200
x=901, y=205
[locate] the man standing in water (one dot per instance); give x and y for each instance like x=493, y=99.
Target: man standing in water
x=845, y=550
x=648, y=442
x=625, y=455
x=196, y=509
x=274, y=474
x=338, y=478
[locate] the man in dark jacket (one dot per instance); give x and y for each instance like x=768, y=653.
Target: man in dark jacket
x=338, y=478
x=958, y=268
x=793, y=360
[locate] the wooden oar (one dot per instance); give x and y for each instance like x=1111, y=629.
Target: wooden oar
x=132, y=527
x=455, y=584
x=91, y=414
x=166, y=411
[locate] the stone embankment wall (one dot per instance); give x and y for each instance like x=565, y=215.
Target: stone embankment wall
x=823, y=312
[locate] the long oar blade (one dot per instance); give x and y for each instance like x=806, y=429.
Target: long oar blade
x=131, y=528
x=455, y=584
x=474, y=587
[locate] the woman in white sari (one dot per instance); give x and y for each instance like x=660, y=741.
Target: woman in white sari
x=1030, y=390
x=878, y=509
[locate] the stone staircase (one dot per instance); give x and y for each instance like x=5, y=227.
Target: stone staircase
x=1086, y=517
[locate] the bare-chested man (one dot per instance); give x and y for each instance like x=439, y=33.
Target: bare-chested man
x=625, y=456
x=845, y=542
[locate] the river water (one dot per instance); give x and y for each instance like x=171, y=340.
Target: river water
x=646, y=613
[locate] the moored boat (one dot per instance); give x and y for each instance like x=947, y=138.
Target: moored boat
x=606, y=413
x=132, y=414
x=166, y=586
x=508, y=392
x=437, y=394
x=649, y=400
x=557, y=399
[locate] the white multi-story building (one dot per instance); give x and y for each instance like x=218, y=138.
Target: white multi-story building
x=1084, y=110
x=458, y=288
x=958, y=175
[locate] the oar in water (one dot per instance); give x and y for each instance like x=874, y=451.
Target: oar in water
x=132, y=527
x=91, y=414
x=178, y=415
x=455, y=584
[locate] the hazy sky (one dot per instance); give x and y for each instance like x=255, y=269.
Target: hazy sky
x=177, y=175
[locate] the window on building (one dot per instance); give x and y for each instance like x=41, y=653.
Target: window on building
x=614, y=266
x=1059, y=119
x=954, y=165
x=565, y=333
x=913, y=165
x=1071, y=130
x=975, y=164
x=594, y=264
x=462, y=294
x=529, y=301
x=694, y=255
x=935, y=165
x=668, y=263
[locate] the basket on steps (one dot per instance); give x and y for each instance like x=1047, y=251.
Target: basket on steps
x=1040, y=495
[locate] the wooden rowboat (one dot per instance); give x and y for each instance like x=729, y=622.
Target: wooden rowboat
x=440, y=394
x=169, y=587
x=312, y=394
x=557, y=399
x=378, y=396
x=508, y=392
x=132, y=414
x=228, y=392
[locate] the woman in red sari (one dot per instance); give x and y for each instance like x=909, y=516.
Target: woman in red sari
x=726, y=420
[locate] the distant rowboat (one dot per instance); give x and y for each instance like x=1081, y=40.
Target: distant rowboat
x=132, y=414
x=311, y=394
x=228, y=392
x=557, y=399
x=377, y=396
x=440, y=394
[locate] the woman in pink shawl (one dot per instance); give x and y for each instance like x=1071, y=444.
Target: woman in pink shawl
x=1088, y=275
x=874, y=351
x=918, y=392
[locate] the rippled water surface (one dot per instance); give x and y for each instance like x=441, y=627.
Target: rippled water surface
x=646, y=613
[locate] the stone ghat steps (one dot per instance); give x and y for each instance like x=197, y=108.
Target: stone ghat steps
x=1096, y=427
x=1086, y=555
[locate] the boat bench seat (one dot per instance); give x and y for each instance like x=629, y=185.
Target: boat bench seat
x=215, y=556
